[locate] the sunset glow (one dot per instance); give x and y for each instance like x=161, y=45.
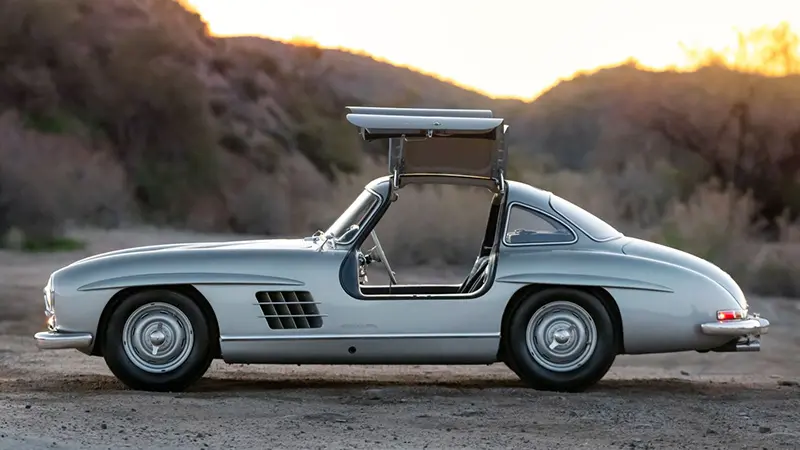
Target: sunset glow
x=514, y=48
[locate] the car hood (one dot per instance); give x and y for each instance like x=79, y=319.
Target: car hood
x=260, y=244
x=658, y=252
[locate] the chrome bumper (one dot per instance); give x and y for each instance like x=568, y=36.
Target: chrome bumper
x=55, y=340
x=748, y=331
x=751, y=326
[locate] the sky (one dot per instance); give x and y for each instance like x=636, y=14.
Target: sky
x=504, y=48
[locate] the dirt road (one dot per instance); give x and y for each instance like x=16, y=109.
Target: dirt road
x=65, y=400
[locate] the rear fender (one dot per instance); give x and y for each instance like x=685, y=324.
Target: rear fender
x=661, y=305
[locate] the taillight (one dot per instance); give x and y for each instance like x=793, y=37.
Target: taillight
x=731, y=314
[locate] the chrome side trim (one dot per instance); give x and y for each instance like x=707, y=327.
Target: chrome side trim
x=582, y=280
x=189, y=278
x=56, y=340
x=289, y=337
x=751, y=325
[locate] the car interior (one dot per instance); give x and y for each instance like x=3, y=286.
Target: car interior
x=476, y=279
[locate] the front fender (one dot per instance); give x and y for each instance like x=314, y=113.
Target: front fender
x=82, y=290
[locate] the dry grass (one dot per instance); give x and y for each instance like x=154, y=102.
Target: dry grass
x=47, y=180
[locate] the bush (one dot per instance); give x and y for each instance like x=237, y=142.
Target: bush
x=126, y=73
x=46, y=181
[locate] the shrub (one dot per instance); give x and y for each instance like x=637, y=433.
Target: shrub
x=46, y=181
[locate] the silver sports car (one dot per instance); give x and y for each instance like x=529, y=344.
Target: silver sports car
x=555, y=293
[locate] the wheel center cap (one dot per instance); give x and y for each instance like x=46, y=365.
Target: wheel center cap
x=562, y=335
x=157, y=337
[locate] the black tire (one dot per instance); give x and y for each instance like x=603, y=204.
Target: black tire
x=196, y=357
x=509, y=362
x=537, y=374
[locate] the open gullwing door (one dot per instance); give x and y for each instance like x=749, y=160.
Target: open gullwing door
x=451, y=146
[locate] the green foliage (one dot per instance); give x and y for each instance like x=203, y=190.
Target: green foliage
x=55, y=244
x=54, y=122
x=330, y=145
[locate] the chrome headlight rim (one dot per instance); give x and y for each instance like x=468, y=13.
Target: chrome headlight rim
x=49, y=298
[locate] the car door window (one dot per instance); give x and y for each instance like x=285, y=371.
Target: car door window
x=527, y=226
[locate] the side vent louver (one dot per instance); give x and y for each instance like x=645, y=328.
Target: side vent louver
x=289, y=310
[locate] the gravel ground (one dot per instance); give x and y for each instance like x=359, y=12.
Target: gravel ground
x=66, y=400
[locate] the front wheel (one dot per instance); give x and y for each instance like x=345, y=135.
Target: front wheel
x=561, y=340
x=158, y=341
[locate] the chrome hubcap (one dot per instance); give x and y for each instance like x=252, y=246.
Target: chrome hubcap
x=561, y=336
x=157, y=337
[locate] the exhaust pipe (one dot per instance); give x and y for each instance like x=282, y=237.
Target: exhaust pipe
x=750, y=345
x=744, y=344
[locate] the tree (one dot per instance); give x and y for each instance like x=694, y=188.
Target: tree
x=753, y=144
x=773, y=51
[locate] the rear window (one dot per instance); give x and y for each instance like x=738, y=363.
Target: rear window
x=526, y=226
x=592, y=225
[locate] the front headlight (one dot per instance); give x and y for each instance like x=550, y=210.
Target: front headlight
x=50, y=304
x=49, y=298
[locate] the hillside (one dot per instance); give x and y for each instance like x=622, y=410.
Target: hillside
x=365, y=79
x=595, y=116
x=189, y=129
x=115, y=112
x=604, y=119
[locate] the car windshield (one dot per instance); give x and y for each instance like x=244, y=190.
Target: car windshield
x=354, y=214
x=592, y=225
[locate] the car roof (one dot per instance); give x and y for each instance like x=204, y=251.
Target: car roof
x=516, y=191
x=525, y=193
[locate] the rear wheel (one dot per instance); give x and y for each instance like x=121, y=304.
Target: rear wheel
x=561, y=339
x=158, y=341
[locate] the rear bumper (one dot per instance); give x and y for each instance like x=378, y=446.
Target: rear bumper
x=56, y=340
x=745, y=334
x=750, y=326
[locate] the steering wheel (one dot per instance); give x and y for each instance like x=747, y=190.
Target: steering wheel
x=382, y=256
